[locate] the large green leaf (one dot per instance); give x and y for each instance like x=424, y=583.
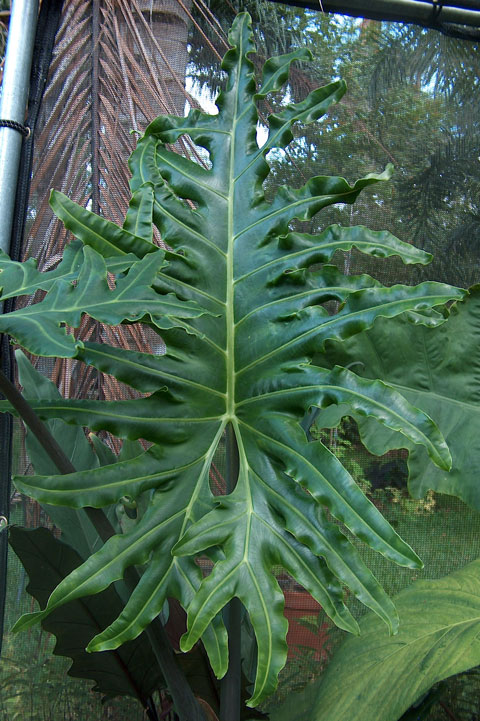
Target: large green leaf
x=77, y=529
x=18, y=279
x=131, y=670
x=244, y=366
x=436, y=370
x=377, y=677
x=38, y=327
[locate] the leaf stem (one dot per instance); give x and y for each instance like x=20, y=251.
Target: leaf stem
x=184, y=701
x=230, y=686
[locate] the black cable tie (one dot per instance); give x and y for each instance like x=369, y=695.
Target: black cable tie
x=23, y=129
x=436, y=10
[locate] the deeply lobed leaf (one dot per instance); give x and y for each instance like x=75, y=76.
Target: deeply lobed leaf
x=243, y=286
x=132, y=670
x=39, y=327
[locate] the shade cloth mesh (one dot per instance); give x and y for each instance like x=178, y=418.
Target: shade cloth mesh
x=117, y=65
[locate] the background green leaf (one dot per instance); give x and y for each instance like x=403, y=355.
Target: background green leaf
x=376, y=676
x=437, y=371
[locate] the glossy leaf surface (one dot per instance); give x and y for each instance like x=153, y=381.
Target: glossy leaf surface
x=244, y=364
x=39, y=328
x=18, y=279
x=77, y=529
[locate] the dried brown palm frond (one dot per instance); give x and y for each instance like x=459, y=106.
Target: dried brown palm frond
x=117, y=65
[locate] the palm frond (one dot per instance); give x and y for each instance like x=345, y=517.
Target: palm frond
x=117, y=65
x=411, y=54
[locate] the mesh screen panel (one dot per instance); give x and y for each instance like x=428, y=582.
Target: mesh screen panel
x=413, y=100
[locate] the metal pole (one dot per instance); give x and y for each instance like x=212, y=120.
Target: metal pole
x=442, y=16
x=16, y=76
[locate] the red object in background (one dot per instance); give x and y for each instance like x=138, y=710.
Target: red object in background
x=299, y=604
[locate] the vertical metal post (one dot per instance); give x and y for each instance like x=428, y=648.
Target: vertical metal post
x=13, y=102
x=16, y=76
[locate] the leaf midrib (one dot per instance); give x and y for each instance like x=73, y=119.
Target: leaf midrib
x=188, y=230
x=198, y=291
x=127, y=551
x=119, y=484
x=405, y=645
x=78, y=305
x=102, y=238
x=317, y=248
x=287, y=209
x=230, y=289
x=329, y=290
x=162, y=374
x=187, y=514
x=134, y=419
x=471, y=407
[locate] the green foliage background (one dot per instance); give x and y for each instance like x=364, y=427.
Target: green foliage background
x=412, y=99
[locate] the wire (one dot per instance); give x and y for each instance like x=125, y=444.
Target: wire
x=23, y=129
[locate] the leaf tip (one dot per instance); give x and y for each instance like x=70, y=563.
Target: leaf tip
x=416, y=563
x=27, y=621
x=185, y=643
x=354, y=628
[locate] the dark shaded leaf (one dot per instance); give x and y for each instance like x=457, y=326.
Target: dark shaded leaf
x=131, y=670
